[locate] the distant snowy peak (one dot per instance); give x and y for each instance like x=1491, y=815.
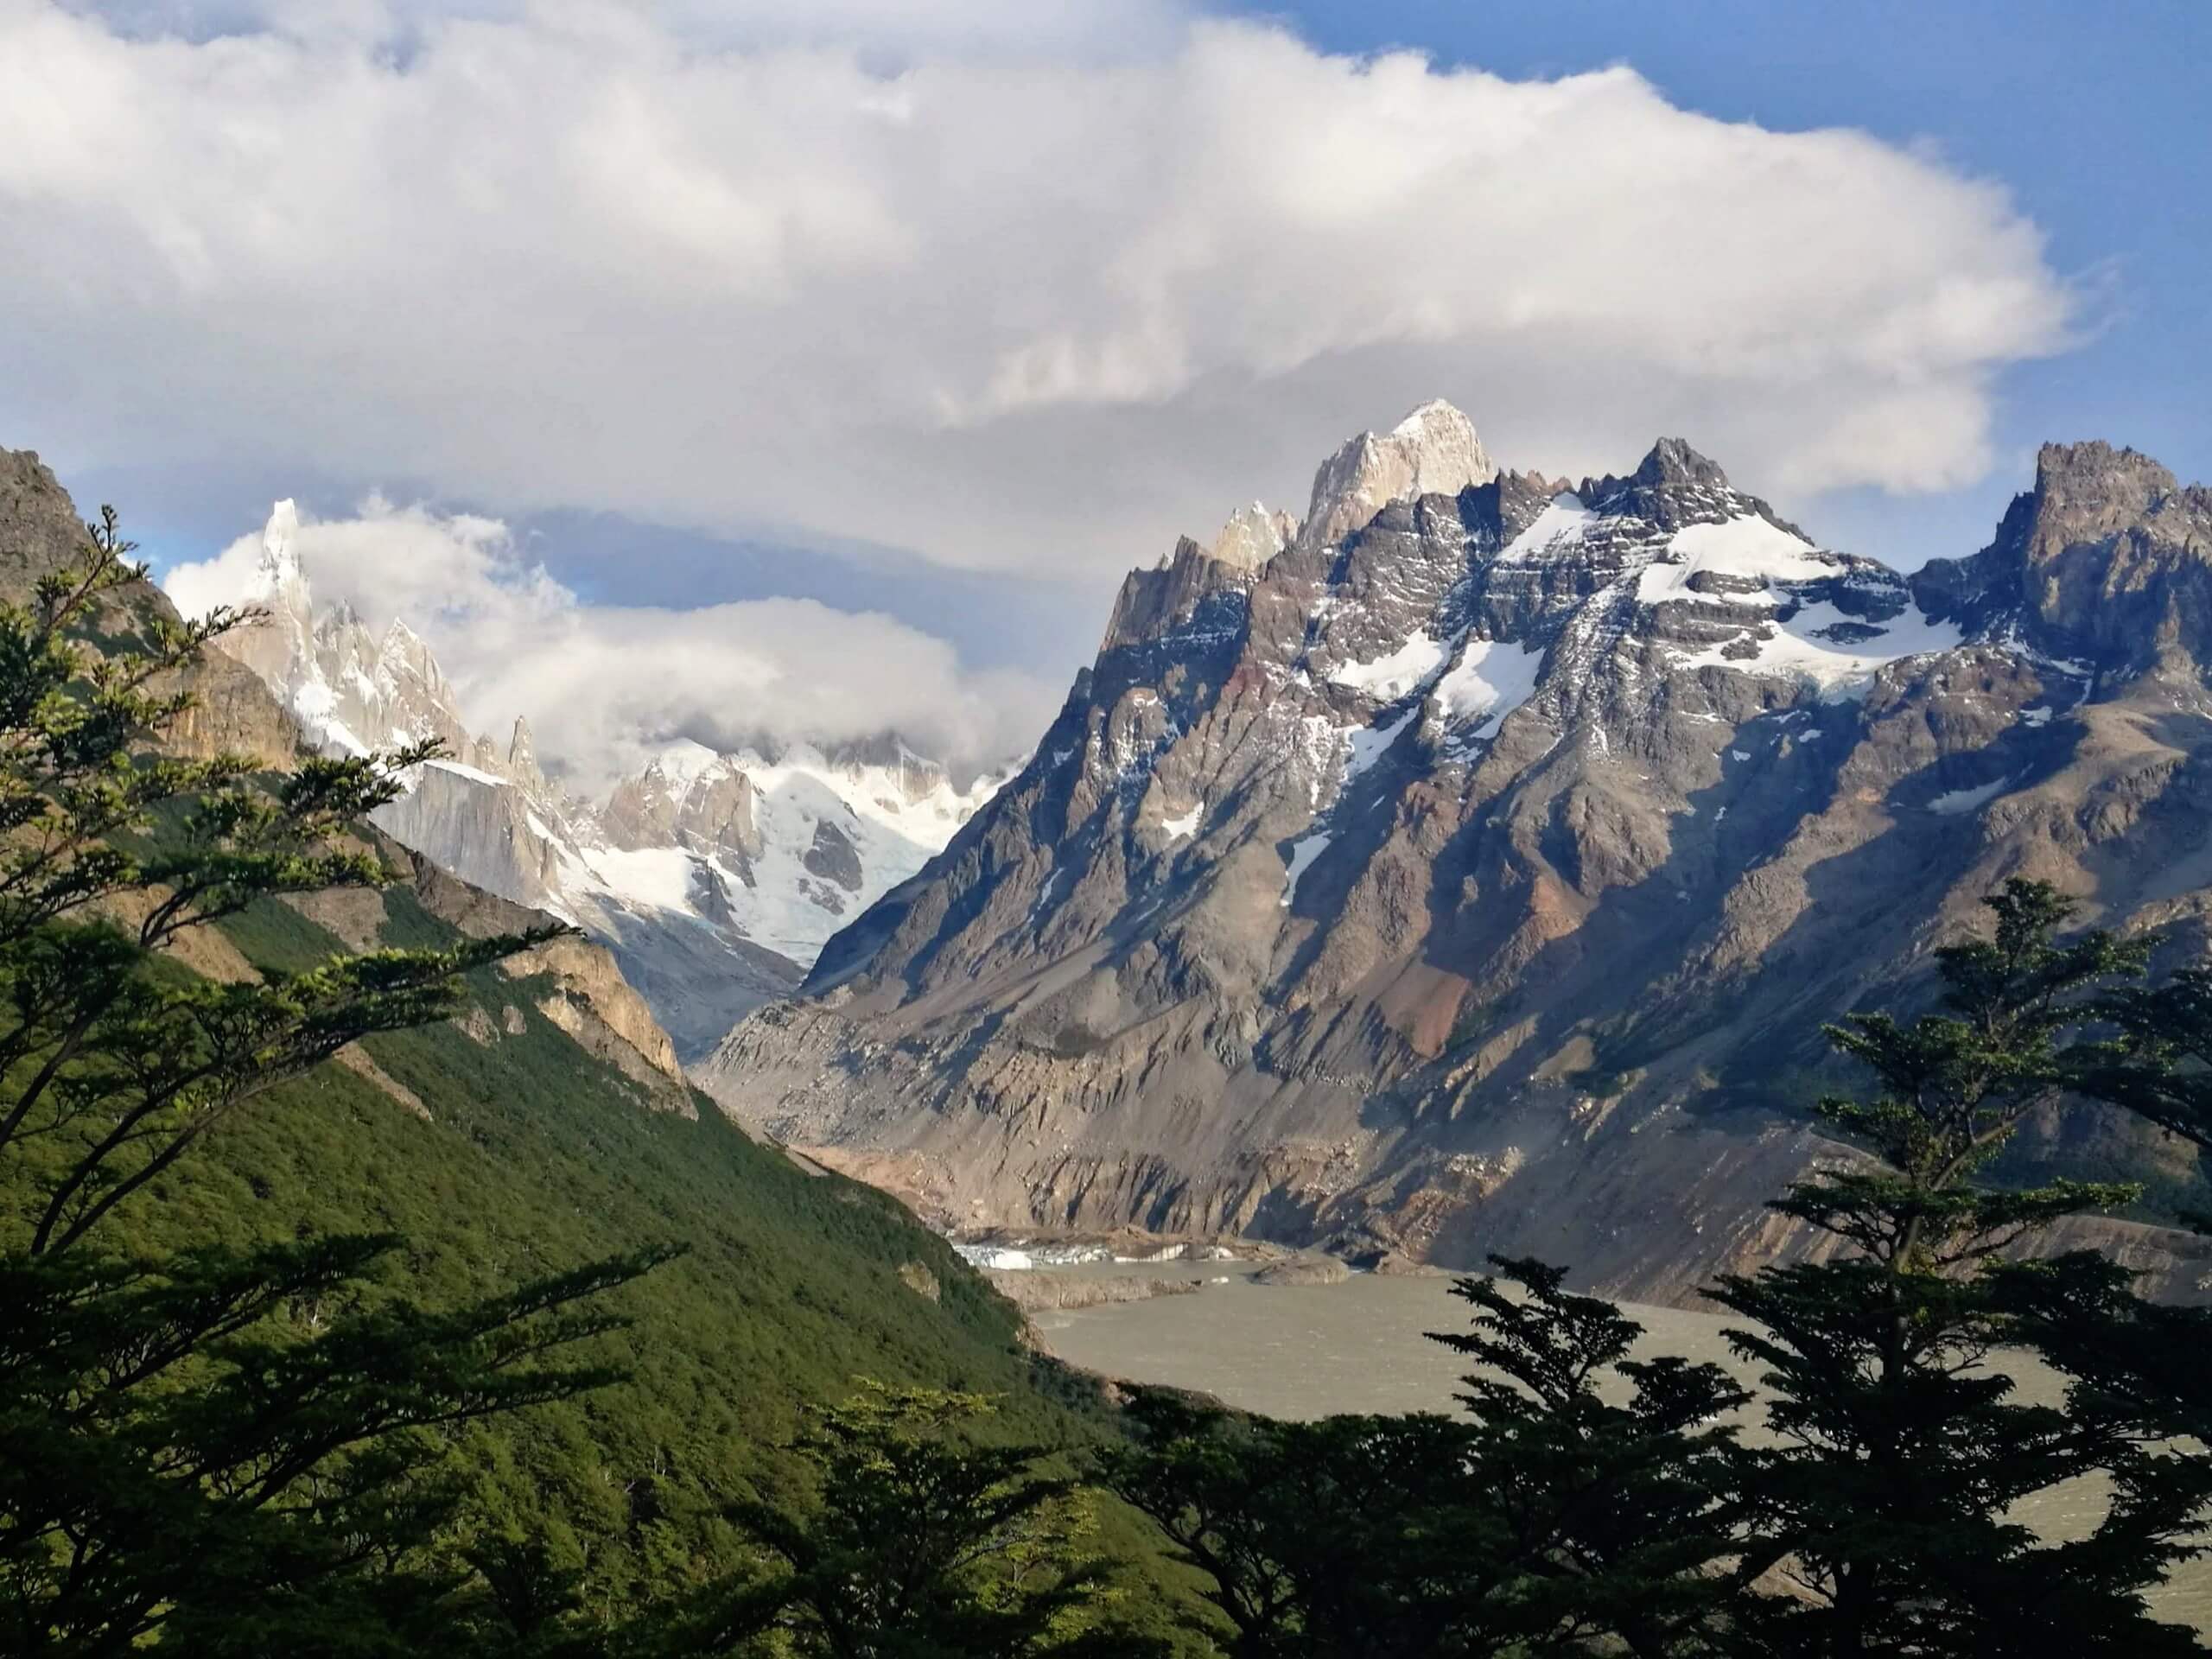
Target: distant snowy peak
x=715, y=877
x=351, y=690
x=278, y=578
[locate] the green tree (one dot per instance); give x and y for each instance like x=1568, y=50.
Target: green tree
x=2159, y=1066
x=1549, y=1521
x=1620, y=1518
x=1889, y=1504
x=918, y=1541
x=236, y=1450
x=1337, y=1537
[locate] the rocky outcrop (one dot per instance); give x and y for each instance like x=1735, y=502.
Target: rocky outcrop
x=40, y=532
x=587, y=996
x=1476, y=874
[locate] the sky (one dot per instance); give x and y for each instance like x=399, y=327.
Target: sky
x=805, y=369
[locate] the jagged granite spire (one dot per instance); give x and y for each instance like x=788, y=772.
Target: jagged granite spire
x=1433, y=451
x=522, y=758
x=279, y=647
x=1252, y=537
x=1672, y=461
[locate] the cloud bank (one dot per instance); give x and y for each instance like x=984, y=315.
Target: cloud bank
x=604, y=685
x=1008, y=298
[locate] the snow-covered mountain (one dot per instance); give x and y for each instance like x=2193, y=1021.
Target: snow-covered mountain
x=1470, y=865
x=716, y=877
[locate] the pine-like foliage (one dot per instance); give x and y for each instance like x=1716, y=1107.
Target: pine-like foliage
x=230, y=1449
x=2159, y=1066
x=918, y=1540
x=1549, y=1521
x=1904, y=1443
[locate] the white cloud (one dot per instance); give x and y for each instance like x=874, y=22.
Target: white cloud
x=1017, y=304
x=603, y=685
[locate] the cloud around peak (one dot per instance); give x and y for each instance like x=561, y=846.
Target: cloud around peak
x=1027, y=304
x=604, y=686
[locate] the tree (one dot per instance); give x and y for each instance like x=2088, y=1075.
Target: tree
x=920, y=1541
x=236, y=1450
x=1337, y=1537
x=2159, y=1066
x=1551, y=1522
x=1620, y=1518
x=1903, y=1446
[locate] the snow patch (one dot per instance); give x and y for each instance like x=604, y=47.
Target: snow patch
x=1954, y=803
x=1370, y=743
x=1748, y=549
x=1303, y=852
x=1491, y=680
x=470, y=772
x=1805, y=646
x=1553, y=533
x=1387, y=678
x=1187, y=825
x=659, y=876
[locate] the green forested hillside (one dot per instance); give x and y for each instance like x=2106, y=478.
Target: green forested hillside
x=536, y=1156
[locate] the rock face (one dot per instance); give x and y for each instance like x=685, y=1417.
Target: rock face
x=1474, y=873
x=587, y=996
x=41, y=531
x=715, y=878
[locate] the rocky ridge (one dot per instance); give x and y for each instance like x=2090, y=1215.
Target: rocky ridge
x=1471, y=866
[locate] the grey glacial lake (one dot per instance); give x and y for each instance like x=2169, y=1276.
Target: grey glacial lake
x=1314, y=1350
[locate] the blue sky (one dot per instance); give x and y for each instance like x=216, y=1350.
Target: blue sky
x=954, y=314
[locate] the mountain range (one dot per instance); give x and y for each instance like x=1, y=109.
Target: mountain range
x=1470, y=864
x=715, y=878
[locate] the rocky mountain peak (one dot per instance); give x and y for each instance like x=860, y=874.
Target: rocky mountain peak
x=522, y=756
x=2108, y=559
x=1444, y=881
x=1158, y=602
x=279, y=644
x=1433, y=451
x=1252, y=537
x=1672, y=461
x=713, y=877
x=403, y=644
x=279, y=570
x=2075, y=474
